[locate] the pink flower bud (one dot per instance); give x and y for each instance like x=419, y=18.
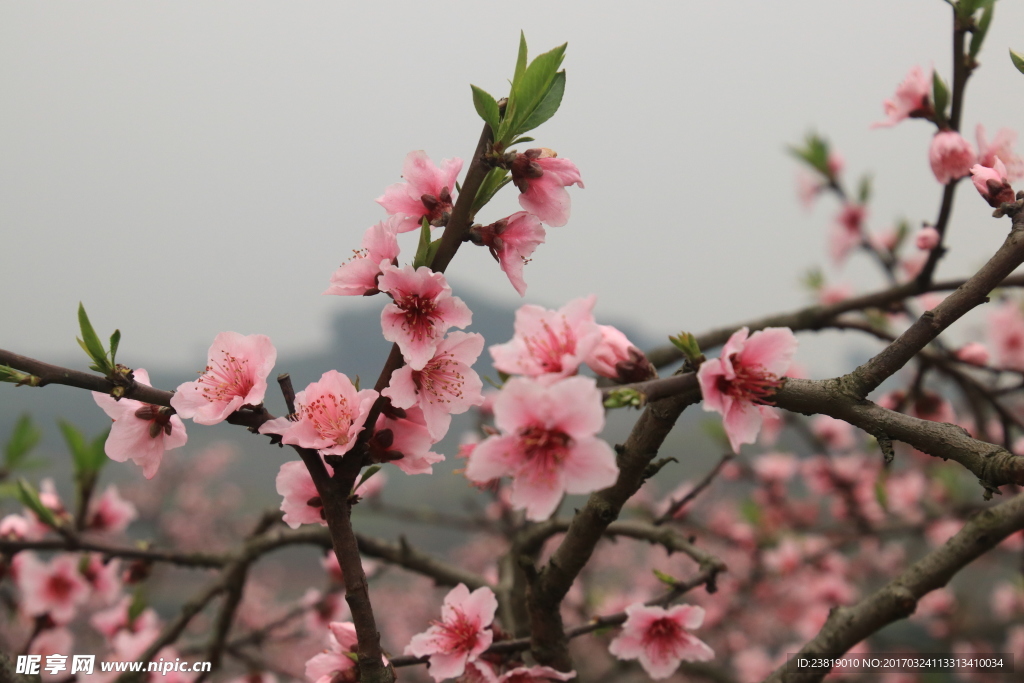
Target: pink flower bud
x=973, y=353
x=951, y=156
x=992, y=183
x=928, y=238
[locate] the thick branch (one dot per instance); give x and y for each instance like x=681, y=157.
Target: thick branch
x=847, y=626
x=589, y=525
x=993, y=465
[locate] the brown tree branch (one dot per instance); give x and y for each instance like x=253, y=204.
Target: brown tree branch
x=847, y=626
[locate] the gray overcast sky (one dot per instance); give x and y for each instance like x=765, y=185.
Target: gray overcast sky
x=191, y=167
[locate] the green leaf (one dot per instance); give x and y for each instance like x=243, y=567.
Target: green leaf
x=97, y=449
x=138, y=605
x=487, y=108
x=423, y=249
x=495, y=179
x=813, y=280
x=520, y=59
x=530, y=90
x=369, y=472
x=80, y=452
x=548, y=105
x=115, y=340
x=23, y=439
x=30, y=499
x=90, y=342
x=881, y=494
x=521, y=140
x=814, y=153
x=1018, y=60
x=666, y=579
x=940, y=94
x=864, y=189
x=751, y=511
x=978, y=36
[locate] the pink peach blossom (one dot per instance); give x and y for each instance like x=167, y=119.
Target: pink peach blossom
x=406, y=443
x=15, y=528
x=426, y=192
x=927, y=238
x=992, y=183
x=548, y=444
x=775, y=468
x=330, y=414
x=551, y=343
x=358, y=276
x=660, y=638
x=54, y=588
x=334, y=665
x=53, y=641
x=461, y=635
x=741, y=381
x=912, y=264
x=301, y=502
x=847, y=231
x=1006, y=335
x=446, y=385
x=617, y=358
x=911, y=98
x=423, y=309
x=235, y=375
x=973, y=352
x=104, y=579
x=110, y=513
x=807, y=188
x=542, y=176
x=834, y=294
x=951, y=156
x=1001, y=149
x=141, y=432
x=511, y=241
x=836, y=435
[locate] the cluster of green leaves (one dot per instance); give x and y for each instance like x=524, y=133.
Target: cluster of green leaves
x=87, y=457
x=426, y=248
x=622, y=398
x=534, y=98
x=24, y=438
x=815, y=153
x=102, y=360
x=977, y=25
x=687, y=343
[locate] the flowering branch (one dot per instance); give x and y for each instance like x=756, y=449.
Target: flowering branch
x=971, y=294
x=549, y=642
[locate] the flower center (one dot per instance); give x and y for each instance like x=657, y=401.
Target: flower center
x=752, y=383
x=459, y=635
x=544, y=449
x=224, y=380
x=662, y=636
x=59, y=586
x=330, y=416
x=548, y=348
x=440, y=379
x=420, y=314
